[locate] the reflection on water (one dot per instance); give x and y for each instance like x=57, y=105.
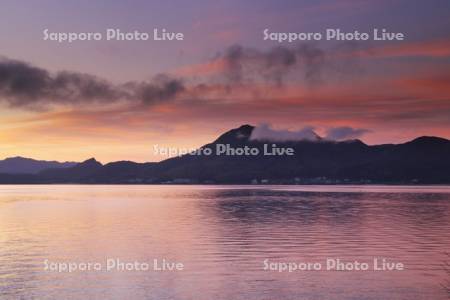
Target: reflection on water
x=222, y=235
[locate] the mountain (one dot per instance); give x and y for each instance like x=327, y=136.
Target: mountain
x=423, y=160
x=22, y=165
x=74, y=174
x=92, y=171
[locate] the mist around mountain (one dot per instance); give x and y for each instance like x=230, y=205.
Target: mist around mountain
x=424, y=160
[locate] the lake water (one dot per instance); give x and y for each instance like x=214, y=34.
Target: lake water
x=222, y=235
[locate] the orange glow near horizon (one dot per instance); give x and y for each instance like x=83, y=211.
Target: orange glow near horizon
x=395, y=98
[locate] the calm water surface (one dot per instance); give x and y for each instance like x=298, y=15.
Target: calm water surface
x=222, y=235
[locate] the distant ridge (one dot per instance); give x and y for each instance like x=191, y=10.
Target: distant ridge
x=424, y=160
x=18, y=164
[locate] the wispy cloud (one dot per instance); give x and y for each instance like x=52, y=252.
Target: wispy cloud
x=438, y=48
x=345, y=133
x=265, y=131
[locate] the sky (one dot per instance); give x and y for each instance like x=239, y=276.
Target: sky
x=115, y=100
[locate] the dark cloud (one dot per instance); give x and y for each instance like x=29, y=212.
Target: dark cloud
x=306, y=60
x=248, y=64
x=23, y=85
x=345, y=133
x=162, y=88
